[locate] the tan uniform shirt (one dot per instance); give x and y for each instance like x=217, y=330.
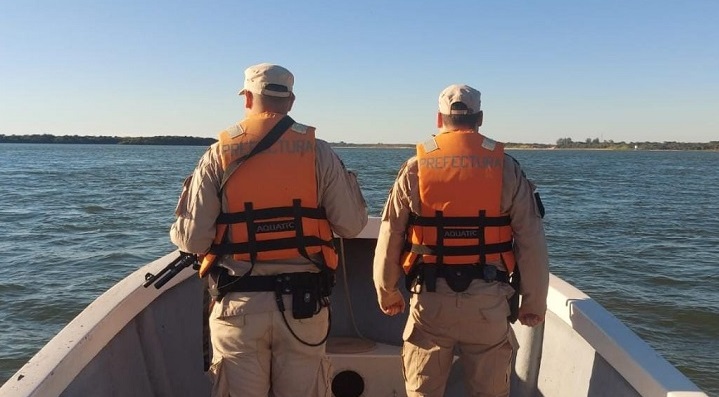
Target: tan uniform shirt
x=200, y=204
x=530, y=246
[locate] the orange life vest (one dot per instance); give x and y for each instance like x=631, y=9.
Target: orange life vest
x=270, y=208
x=460, y=189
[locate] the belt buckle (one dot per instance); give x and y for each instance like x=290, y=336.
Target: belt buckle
x=284, y=283
x=457, y=277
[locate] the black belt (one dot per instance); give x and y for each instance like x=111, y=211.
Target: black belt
x=249, y=283
x=458, y=277
x=283, y=283
x=487, y=273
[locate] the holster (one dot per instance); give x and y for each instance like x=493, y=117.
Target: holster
x=515, y=280
x=414, y=280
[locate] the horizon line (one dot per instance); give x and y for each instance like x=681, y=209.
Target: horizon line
x=592, y=141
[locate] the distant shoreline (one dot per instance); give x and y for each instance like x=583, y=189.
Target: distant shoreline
x=564, y=143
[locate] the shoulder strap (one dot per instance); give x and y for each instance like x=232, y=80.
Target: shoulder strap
x=265, y=143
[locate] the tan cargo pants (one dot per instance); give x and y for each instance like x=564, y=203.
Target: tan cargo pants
x=475, y=323
x=255, y=355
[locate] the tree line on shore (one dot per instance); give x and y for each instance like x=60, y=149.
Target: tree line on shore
x=562, y=143
x=108, y=140
x=567, y=143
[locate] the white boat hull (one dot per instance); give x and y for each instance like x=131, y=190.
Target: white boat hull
x=135, y=341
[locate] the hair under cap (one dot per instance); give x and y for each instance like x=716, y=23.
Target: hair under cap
x=268, y=79
x=459, y=93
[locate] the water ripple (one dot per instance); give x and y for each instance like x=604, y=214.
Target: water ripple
x=637, y=231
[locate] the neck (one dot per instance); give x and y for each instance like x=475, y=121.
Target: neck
x=255, y=112
x=458, y=129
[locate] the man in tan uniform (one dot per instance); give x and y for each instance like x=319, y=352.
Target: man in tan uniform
x=265, y=221
x=458, y=272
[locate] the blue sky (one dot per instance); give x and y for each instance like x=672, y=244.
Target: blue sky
x=367, y=71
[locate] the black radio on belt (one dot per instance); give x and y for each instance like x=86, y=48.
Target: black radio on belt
x=305, y=303
x=307, y=290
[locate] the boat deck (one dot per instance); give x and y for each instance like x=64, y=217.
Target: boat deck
x=135, y=341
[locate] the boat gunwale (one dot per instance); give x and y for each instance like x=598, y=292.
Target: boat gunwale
x=649, y=373
x=52, y=369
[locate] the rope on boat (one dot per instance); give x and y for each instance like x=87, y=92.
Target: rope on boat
x=343, y=263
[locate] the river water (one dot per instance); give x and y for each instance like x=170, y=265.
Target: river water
x=637, y=231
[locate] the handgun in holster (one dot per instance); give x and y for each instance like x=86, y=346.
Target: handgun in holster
x=515, y=280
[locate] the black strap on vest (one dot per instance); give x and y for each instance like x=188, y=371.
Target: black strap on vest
x=460, y=221
x=253, y=219
x=275, y=212
x=265, y=143
x=458, y=250
x=468, y=224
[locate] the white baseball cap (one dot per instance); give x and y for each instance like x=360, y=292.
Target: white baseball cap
x=459, y=93
x=268, y=79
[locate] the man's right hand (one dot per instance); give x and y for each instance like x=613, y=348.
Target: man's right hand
x=530, y=319
x=393, y=304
